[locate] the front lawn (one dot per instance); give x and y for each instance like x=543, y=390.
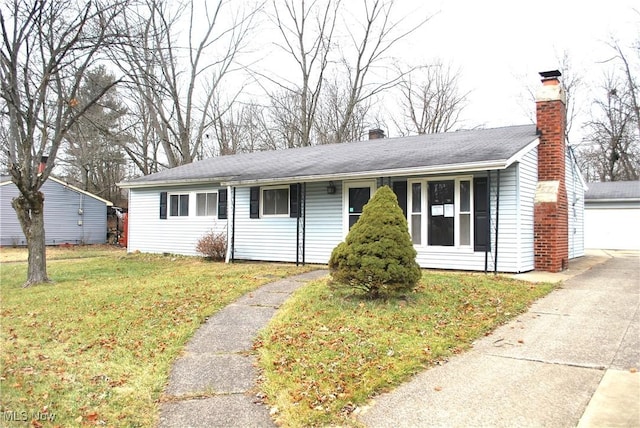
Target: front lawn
x=96, y=347
x=328, y=351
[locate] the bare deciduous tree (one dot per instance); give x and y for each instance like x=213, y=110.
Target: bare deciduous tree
x=371, y=40
x=342, y=59
x=47, y=47
x=307, y=36
x=611, y=151
x=431, y=99
x=329, y=124
x=177, y=74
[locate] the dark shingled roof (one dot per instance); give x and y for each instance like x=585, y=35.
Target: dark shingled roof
x=613, y=190
x=484, y=148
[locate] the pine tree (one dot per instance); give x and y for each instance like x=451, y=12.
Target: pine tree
x=377, y=256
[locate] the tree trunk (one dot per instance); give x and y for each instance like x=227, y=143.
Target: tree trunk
x=30, y=211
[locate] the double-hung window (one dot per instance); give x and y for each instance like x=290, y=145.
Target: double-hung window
x=441, y=212
x=179, y=205
x=207, y=204
x=275, y=201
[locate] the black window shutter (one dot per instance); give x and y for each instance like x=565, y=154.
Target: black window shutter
x=293, y=200
x=163, y=205
x=222, y=204
x=480, y=214
x=254, y=202
x=400, y=189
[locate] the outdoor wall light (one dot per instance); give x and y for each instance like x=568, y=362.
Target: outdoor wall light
x=331, y=188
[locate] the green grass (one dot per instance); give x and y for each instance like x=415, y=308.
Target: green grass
x=328, y=351
x=96, y=346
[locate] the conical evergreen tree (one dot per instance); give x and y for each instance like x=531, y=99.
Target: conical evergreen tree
x=377, y=255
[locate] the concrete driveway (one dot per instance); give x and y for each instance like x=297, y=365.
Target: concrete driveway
x=571, y=360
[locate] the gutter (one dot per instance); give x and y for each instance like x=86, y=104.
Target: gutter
x=399, y=172
x=179, y=182
x=609, y=200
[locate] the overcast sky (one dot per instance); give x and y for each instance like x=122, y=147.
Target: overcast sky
x=501, y=45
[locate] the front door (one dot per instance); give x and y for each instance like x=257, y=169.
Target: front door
x=441, y=213
x=356, y=196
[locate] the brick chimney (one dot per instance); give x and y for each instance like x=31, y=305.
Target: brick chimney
x=551, y=220
x=374, y=134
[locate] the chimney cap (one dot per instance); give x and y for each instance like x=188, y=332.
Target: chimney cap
x=553, y=74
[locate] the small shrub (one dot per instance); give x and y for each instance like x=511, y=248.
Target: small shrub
x=377, y=256
x=213, y=245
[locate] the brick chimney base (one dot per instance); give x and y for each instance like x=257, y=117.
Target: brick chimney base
x=551, y=227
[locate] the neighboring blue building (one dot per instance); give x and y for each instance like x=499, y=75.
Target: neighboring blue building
x=71, y=215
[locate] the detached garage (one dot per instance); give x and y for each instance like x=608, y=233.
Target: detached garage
x=612, y=215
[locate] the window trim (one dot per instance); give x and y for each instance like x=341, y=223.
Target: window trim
x=424, y=218
x=262, y=204
x=179, y=195
x=206, y=192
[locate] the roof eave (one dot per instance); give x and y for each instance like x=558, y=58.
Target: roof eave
x=74, y=188
x=84, y=192
x=398, y=172
x=608, y=200
x=517, y=157
x=161, y=183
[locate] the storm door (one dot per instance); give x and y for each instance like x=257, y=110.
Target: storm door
x=441, y=212
x=358, y=198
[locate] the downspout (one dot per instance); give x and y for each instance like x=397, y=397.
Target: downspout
x=488, y=229
x=304, y=222
x=495, y=263
x=228, y=255
x=298, y=224
x=233, y=227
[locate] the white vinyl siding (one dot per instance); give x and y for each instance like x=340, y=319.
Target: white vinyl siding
x=527, y=182
x=149, y=233
x=575, y=207
x=274, y=238
x=324, y=221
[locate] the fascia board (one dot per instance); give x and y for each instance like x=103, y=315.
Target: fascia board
x=522, y=152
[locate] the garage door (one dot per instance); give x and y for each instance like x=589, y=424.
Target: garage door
x=612, y=228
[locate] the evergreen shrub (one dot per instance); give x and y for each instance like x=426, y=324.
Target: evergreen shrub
x=377, y=256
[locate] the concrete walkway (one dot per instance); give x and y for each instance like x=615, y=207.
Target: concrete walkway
x=570, y=361
x=212, y=384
